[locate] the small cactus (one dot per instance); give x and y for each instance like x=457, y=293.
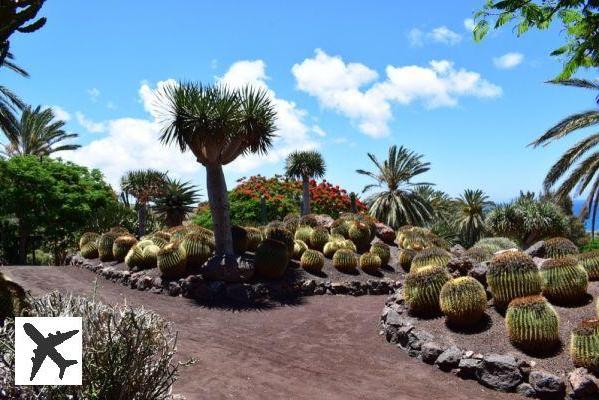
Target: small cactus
x=359, y=233
x=171, y=261
x=150, y=256
x=430, y=256
x=345, y=260
x=495, y=244
x=422, y=289
x=135, y=258
x=340, y=227
x=347, y=244
x=405, y=257
x=272, y=258
x=105, y=243
x=463, y=300
x=308, y=220
x=479, y=254
x=584, y=345
x=121, y=247
x=564, y=280
x=291, y=222
x=299, y=247
x=240, y=239
x=383, y=251
x=330, y=248
x=197, y=249
x=512, y=274
x=312, y=260
x=282, y=235
x=303, y=233
x=559, y=247
x=590, y=262
x=532, y=323
x=370, y=262
x=90, y=250
x=318, y=238
x=88, y=237
x=254, y=236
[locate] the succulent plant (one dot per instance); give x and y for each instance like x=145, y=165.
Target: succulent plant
x=135, y=257
x=119, y=230
x=340, y=227
x=430, y=256
x=370, y=262
x=90, y=250
x=105, y=243
x=495, y=244
x=240, y=239
x=532, y=323
x=312, y=260
x=178, y=232
x=559, y=247
x=347, y=244
x=383, y=251
x=463, y=300
x=512, y=274
x=335, y=237
x=121, y=247
x=590, y=262
x=359, y=233
x=291, y=222
x=479, y=254
x=165, y=236
x=318, y=238
x=299, y=247
x=159, y=241
x=254, y=236
x=150, y=256
x=330, y=248
x=415, y=238
x=564, y=280
x=197, y=250
x=405, y=257
x=303, y=233
x=171, y=261
x=345, y=260
x=422, y=289
x=584, y=345
x=272, y=258
x=283, y=236
x=13, y=299
x=88, y=237
x=144, y=243
x=309, y=220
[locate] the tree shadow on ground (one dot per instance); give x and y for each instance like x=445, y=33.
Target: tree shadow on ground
x=576, y=303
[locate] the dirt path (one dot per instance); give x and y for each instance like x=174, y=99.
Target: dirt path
x=325, y=348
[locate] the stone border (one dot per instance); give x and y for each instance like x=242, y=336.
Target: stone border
x=501, y=372
x=196, y=287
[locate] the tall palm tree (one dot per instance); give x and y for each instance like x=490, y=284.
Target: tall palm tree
x=472, y=206
x=9, y=101
x=305, y=165
x=145, y=186
x=583, y=176
x=398, y=203
x=218, y=125
x=38, y=133
x=177, y=200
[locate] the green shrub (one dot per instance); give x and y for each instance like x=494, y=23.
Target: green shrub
x=463, y=300
x=495, y=244
x=240, y=239
x=272, y=258
x=197, y=250
x=171, y=261
x=90, y=250
x=559, y=247
x=383, y=251
x=303, y=233
x=590, y=262
x=254, y=236
x=359, y=233
x=584, y=345
x=299, y=247
x=479, y=254
x=430, y=256
x=405, y=257
x=283, y=236
x=330, y=248
x=532, y=323
x=318, y=238
x=512, y=274
x=312, y=260
x=105, y=246
x=564, y=280
x=370, y=262
x=121, y=247
x=345, y=260
x=422, y=289
x=128, y=353
x=88, y=237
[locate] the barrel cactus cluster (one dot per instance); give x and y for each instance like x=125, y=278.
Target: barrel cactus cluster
x=423, y=287
x=584, y=345
x=430, y=256
x=590, y=262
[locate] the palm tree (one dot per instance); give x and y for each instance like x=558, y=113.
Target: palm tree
x=9, y=101
x=399, y=203
x=218, y=125
x=583, y=175
x=305, y=165
x=178, y=199
x=38, y=133
x=472, y=205
x=145, y=186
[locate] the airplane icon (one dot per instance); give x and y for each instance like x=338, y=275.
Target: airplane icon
x=46, y=348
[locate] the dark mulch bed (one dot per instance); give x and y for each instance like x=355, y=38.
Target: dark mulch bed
x=491, y=335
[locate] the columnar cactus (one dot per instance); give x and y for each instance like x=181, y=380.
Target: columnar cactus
x=405, y=257
x=283, y=236
x=383, y=251
x=240, y=239
x=463, y=300
x=303, y=233
x=105, y=243
x=197, y=249
x=299, y=247
x=88, y=237
x=359, y=233
x=512, y=274
x=370, y=262
x=318, y=238
x=330, y=248
x=90, y=250
x=254, y=236
x=272, y=258
x=430, y=256
x=590, y=262
x=584, y=345
x=564, y=280
x=479, y=254
x=345, y=260
x=171, y=260
x=312, y=260
x=121, y=246
x=560, y=247
x=422, y=289
x=532, y=323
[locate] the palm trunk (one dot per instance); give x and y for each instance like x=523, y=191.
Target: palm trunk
x=141, y=217
x=219, y=208
x=305, y=196
x=593, y=221
x=23, y=239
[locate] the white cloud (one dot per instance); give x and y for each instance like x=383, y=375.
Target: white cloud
x=416, y=37
x=508, y=60
x=93, y=93
x=89, y=125
x=60, y=113
x=469, y=24
x=441, y=34
x=318, y=130
x=340, y=86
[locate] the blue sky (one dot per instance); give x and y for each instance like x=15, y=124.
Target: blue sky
x=348, y=77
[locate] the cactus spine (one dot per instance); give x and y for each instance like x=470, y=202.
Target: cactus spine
x=272, y=258
x=105, y=243
x=422, y=289
x=430, y=256
x=171, y=260
x=584, y=345
x=330, y=248
x=512, y=274
x=299, y=247
x=345, y=260
x=532, y=323
x=312, y=260
x=383, y=251
x=370, y=262
x=463, y=300
x=121, y=247
x=560, y=247
x=564, y=280
x=590, y=262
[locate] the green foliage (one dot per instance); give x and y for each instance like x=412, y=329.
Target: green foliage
x=318, y=238
x=359, y=233
x=370, y=262
x=272, y=257
x=472, y=206
x=305, y=164
x=198, y=250
x=584, y=345
x=560, y=247
x=299, y=247
x=176, y=201
x=512, y=274
x=495, y=244
x=564, y=280
x=532, y=324
x=254, y=236
x=590, y=262
x=303, y=233
x=383, y=251
x=330, y=248
x=431, y=256
x=463, y=300
x=283, y=236
x=345, y=260
x=422, y=289
x=405, y=257
x=312, y=260
x=479, y=254
x=590, y=246
x=172, y=261
x=121, y=246
x=105, y=244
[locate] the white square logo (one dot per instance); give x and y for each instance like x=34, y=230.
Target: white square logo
x=48, y=350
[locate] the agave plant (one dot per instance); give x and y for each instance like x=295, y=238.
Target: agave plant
x=145, y=186
x=472, y=205
x=398, y=203
x=305, y=165
x=177, y=200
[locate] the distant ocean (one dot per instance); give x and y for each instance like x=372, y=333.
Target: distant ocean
x=577, y=206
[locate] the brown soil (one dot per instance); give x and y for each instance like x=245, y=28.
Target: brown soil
x=491, y=335
x=326, y=347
